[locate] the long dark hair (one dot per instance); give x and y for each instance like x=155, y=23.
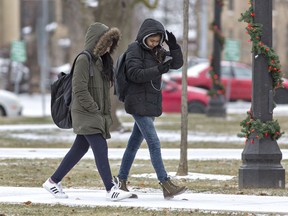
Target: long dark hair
x=107, y=73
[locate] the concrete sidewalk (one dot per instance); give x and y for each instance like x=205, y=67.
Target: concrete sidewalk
x=151, y=200
x=117, y=153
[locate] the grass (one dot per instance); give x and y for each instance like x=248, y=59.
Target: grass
x=59, y=210
x=32, y=173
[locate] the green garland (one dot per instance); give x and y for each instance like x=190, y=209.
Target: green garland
x=218, y=33
x=249, y=124
x=260, y=129
x=258, y=47
x=216, y=82
x=220, y=88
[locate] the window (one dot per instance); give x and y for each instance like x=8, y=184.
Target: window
x=243, y=73
x=227, y=71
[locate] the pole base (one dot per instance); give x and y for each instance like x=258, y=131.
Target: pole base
x=261, y=164
x=216, y=107
x=256, y=177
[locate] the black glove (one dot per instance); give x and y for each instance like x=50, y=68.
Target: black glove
x=171, y=42
x=164, y=68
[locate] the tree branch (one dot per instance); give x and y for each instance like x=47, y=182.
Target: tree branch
x=146, y=3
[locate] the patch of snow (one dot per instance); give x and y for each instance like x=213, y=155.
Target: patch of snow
x=191, y=176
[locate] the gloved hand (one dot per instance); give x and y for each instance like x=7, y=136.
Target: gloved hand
x=164, y=67
x=171, y=42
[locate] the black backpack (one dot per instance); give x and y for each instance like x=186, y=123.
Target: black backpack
x=120, y=79
x=61, y=96
x=121, y=82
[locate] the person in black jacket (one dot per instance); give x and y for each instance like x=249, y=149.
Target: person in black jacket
x=146, y=61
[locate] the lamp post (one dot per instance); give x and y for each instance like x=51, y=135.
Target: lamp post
x=261, y=158
x=216, y=106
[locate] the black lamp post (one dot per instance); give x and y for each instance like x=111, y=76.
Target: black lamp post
x=261, y=158
x=217, y=104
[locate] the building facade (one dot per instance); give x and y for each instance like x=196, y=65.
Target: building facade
x=9, y=23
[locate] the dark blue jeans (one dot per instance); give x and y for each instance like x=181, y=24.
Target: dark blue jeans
x=143, y=129
x=79, y=148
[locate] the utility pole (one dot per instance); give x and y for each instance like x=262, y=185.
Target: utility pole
x=42, y=50
x=203, y=30
x=217, y=104
x=261, y=158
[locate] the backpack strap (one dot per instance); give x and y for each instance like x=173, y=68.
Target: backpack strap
x=89, y=59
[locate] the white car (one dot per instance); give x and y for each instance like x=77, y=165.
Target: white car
x=10, y=105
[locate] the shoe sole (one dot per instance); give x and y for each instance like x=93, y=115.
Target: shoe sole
x=180, y=192
x=119, y=199
x=133, y=196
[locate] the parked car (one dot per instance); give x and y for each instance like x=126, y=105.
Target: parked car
x=171, y=98
x=10, y=105
x=236, y=77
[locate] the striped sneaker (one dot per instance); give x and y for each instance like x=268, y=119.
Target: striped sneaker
x=54, y=189
x=116, y=194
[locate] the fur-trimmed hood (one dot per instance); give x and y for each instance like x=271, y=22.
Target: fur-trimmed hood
x=99, y=37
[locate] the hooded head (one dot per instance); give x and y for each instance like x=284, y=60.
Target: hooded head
x=99, y=37
x=150, y=27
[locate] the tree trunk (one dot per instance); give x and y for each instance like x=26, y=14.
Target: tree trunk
x=183, y=164
x=77, y=25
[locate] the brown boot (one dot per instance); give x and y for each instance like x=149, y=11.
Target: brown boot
x=124, y=188
x=170, y=190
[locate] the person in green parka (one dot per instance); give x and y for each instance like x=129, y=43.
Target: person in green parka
x=91, y=111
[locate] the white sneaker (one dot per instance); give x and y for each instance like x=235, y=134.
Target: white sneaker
x=54, y=189
x=115, y=194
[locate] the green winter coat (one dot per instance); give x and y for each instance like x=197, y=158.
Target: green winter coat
x=91, y=106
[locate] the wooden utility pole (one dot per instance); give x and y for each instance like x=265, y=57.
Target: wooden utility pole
x=261, y=157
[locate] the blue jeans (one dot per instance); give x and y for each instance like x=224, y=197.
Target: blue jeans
x=143, y=129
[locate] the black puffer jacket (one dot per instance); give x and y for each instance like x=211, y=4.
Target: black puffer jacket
x=144, y=95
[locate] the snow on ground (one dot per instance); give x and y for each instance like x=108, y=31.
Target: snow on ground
x=167, y=136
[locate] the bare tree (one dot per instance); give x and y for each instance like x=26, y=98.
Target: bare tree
x=183, y=165
x=77, y=21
